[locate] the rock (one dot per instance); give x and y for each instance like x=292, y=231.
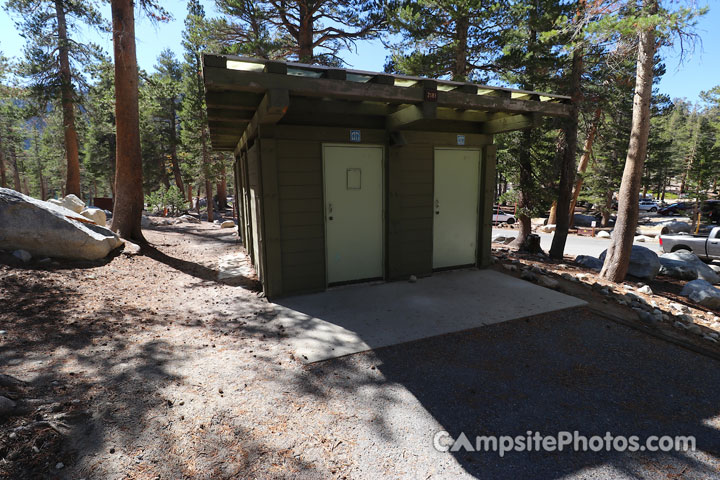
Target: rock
x=582, y=276
x=677, y=269
x=23, y=255
x=642, y=238
x=412, y=279
x=649, y=231
x=55, y=201
x=603, y=234
x=547, y=228
x=7, y=406
x=499, y=239
x=511, y=268
x=59, y=466
x=97, y=215
x=715, y=268
x=189, y=218
x=675, y=226
x=702, y=293
x=680, y=307
x=694, y=329
x=227, y=224
x=548, y=282
x=704, y=272
x=588, y=261
x=646, y=290
x=708, y=337
x=509, y=240
x=567, y=276
x=538, y=221
x=71, y=202
x=46, y=230
x=145, y=222
x=528, y=275
x=130, y=248
x=644, y=262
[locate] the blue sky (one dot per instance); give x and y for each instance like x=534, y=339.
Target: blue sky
x=700, y=70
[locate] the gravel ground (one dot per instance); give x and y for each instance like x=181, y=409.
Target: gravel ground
x=147, y=367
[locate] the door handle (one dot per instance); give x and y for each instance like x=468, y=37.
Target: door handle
x=330, y=211
x=437, y=207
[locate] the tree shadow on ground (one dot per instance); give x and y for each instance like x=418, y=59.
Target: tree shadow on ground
x=201, y=272
x=92, y=387
x=551, y=373
x=224, y=235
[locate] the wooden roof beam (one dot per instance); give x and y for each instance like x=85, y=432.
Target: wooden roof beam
x=272, y=108
x=257, y=82
x=511, y=123
x=238, y=116
x=232, y=100
x=410, y=115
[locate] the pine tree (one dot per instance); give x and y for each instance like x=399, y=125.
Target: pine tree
x=310, y=31
x=52, y=60
x=443, y=38
x=193, y=114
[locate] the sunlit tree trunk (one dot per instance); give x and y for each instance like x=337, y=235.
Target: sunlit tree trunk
x=3, y=178
x=68, y=103
x=524, y=188
x=128, y=172
x=222, y=188
x=174, y=157
x=569, y=151
x=16, y=171
x=617, y=260
x=584, y=161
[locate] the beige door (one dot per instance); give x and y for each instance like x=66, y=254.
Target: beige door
x=353, y=212
x=455, y=218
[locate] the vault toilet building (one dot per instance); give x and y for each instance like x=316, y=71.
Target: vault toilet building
x=345, y=176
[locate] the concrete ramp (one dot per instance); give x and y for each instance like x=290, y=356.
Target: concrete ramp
x=352, y=319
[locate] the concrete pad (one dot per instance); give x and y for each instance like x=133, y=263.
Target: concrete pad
x=356, y=318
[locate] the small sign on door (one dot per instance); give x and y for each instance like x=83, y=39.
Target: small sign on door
x=355, y=136
x=461, y=139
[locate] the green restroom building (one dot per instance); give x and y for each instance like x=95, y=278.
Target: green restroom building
x=347, y=176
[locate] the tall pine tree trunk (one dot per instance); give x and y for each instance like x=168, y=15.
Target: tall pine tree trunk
x=305, y=33
x=524, y=188
x=584, y=161
x=68, y=104
x=617, y=260
x=174, y=156
x=128, y=206
x=16, y=171
x=222, y=188
x=567, y=171
x=163, y=172
x=462, y=26
x=3, y=178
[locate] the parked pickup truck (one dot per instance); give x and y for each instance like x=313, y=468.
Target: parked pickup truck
x=705, y=247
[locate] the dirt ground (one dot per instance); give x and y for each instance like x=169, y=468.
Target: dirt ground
x=148, y=367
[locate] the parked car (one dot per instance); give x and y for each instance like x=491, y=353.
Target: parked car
x=678, y=208
x=706, y=247
x=648, y=206
x=503, y=217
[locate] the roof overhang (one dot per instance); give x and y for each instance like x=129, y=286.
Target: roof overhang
x=243, y=93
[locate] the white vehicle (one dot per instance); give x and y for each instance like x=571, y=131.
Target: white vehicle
x=502, y=217
x=648, y=206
